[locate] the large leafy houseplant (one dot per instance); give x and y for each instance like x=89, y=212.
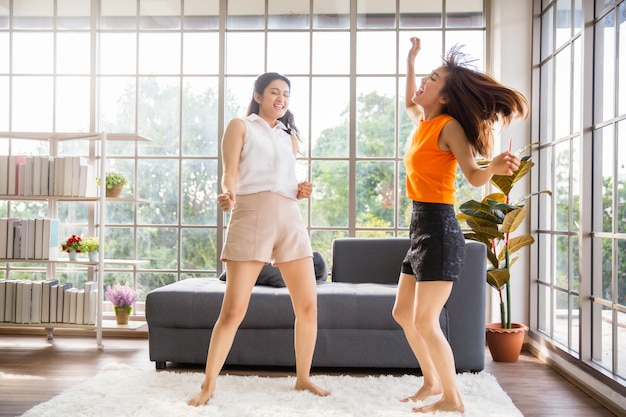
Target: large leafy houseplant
x=493, y=222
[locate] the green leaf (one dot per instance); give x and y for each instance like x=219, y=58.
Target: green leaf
x=473, y=208
x=513, y=219
x=497, y=278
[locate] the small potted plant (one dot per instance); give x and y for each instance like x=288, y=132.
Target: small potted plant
x=122, y=297
x=114, y=182
x=72, y=245
x=91, y=246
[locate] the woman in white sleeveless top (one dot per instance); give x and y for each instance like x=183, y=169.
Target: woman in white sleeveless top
x=259, y=185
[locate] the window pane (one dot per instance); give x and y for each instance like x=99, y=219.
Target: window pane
x=561, y=324
x=4, y=105
x=245, y=14
x=155, y=118
x=32, y=115
x=201, y=14
x=547, y=33
x=604, y=79
x=604, y=145
x=293, y=14
x=376, y=115
x=329, y=52
x=198, y=248
x=577, y=86
x=33, y=14
x=72, y=104
x=546, y=114
x=545, y=183
x=200, y=53
x=464, y=13
x=238, y=96
x=159, y=53
x=200, y=112
x=245, y=53
x=118, y=53
x=4, y=52
x=544, y=323
x=158, y=183
x=563, y=88
x=4, y=14
x=561, y=262
x=415, y=14
x=330, y=99
x=375, y=196
x=33, y=52
x=620, y=274
x=199, y=192
x=116, y=104
x=73, y=53
x=376, y=14
x=575, y=188
x=73, y=14
x=621, y=177
x=606, y=290
x=118, y=14
x=331, y=15
x=560, y=194
x=159, y=14
x=621, y=344
x=329, y=201
x=429, y=56
x=373, y=54
x=563, y=22
x=575, y=324
x=160, y=245
x=473, y=43
x=294, y=62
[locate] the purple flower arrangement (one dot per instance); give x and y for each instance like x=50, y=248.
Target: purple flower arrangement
x=122, y=295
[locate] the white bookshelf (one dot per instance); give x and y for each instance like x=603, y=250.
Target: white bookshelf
x=96, y=222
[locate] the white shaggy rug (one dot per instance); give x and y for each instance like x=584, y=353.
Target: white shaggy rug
x=120, y=390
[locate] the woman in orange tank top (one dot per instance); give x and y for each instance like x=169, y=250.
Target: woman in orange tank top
x=454, y=109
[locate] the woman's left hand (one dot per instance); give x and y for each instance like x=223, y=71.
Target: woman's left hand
x=505, y=164
x=305, y=189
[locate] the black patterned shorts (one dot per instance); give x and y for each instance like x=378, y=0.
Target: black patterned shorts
x=437, y=251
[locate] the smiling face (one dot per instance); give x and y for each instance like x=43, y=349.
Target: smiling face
x=429, y=95
x=274, y=101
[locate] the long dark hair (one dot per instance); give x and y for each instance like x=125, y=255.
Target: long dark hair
x=477, y=101
x=260, y=84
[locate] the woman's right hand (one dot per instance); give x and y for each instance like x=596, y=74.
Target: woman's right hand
x=416, y=45
x=226, y=201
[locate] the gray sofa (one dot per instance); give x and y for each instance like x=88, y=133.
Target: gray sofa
x=356, y=328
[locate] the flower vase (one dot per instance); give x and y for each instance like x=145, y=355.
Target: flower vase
x=122, y=314
x=73, y=255
x=93, y=256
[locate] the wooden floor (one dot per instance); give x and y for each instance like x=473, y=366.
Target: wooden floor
x=34, y=369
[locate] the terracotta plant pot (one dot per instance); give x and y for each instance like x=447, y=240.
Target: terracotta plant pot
x=505, y=345
x=122, y=314
x=115, y=191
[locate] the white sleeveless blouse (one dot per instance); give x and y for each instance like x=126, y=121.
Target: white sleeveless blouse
x=267, y=162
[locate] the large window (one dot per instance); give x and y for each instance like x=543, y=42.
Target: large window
x=581, y=279
x=176, y=71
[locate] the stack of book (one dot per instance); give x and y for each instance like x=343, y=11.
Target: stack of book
x=67, y=176
x=37, y=302
x=29, y=238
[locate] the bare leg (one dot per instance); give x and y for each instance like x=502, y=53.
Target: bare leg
x=299, y=277
x=404, y=314
x=430, y=299
x=241, y=279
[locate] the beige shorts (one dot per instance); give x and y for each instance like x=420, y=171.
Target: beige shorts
x=266, y=227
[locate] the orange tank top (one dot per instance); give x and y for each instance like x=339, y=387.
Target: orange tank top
x=430, y=172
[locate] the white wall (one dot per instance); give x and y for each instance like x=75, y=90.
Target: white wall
x=510, y=62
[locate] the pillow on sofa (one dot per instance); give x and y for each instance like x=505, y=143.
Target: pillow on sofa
x=270, y=275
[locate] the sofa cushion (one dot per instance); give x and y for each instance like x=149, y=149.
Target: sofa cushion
x=377, y=260
x=270, y=275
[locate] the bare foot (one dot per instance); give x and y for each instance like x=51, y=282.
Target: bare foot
x=441, y=405
x=423, y=393
x=311, y=387
x=203, y=396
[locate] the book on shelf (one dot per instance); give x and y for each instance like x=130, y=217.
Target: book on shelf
x=53, y=301
x=17, y=240
x=15, y=161
x=59, y=171
x=46, y=299
x=4, y=174
x=91, y=291
x=10, y=295
x=4, y=237
x=38, y=241
x=61, y=289
x=32, y=234
x=36, y=300
x=22, y=300
x=3, y=292
x=51, y=239
x=11, y=236
x=80, y=307
x=73, y=298
x=36, y=175
x=45, y=174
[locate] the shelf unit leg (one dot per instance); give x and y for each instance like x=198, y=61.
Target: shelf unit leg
x=49, y=331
